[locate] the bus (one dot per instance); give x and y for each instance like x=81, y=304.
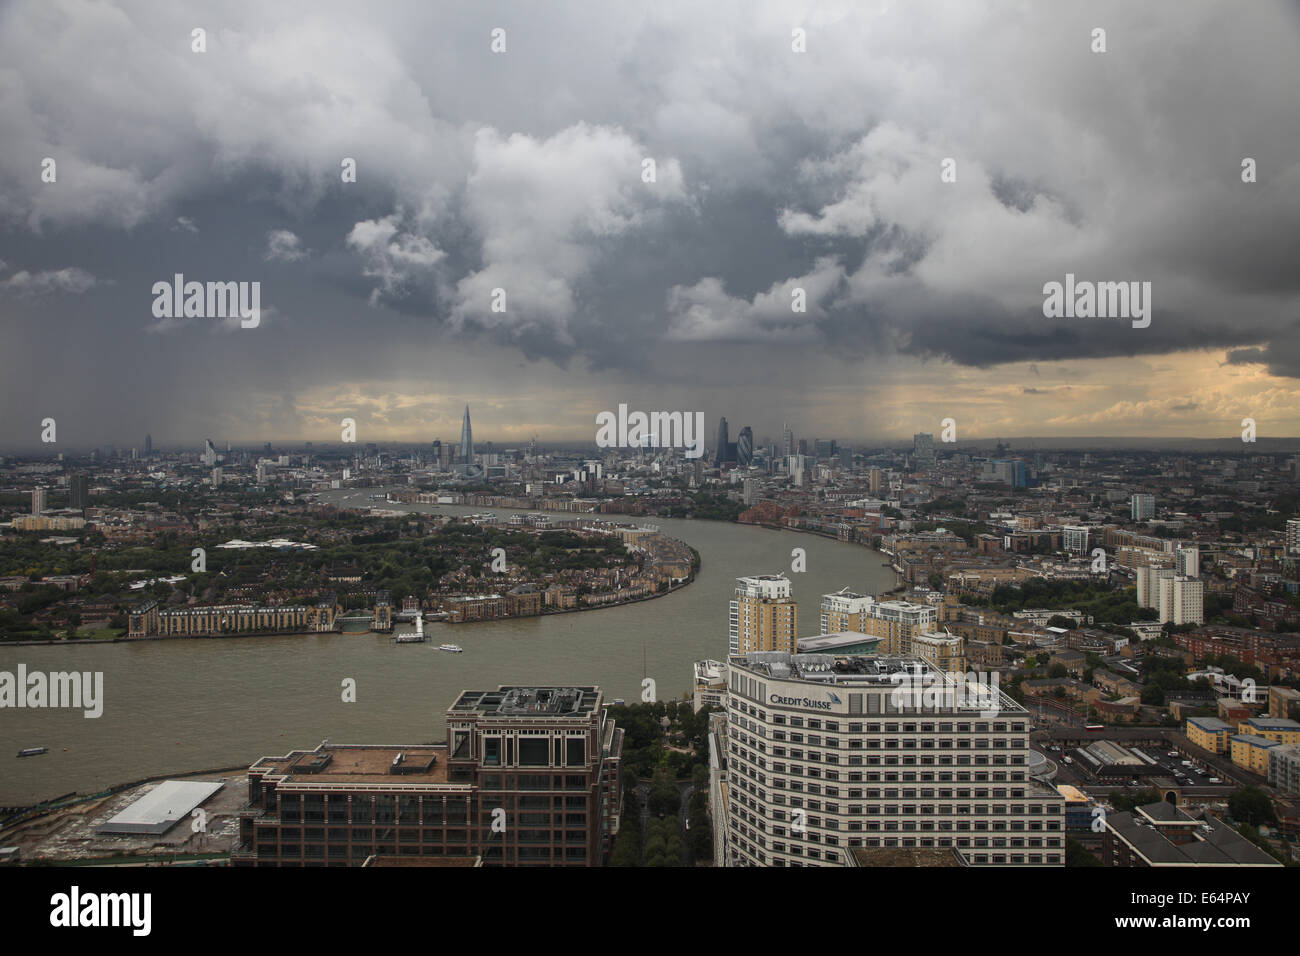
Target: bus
x=1094, y=726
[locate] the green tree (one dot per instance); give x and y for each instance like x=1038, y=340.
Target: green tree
x=1251, y=805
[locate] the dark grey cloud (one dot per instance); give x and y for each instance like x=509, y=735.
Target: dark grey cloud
x=523, y=171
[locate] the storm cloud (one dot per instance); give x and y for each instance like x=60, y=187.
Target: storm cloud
x=775, y=174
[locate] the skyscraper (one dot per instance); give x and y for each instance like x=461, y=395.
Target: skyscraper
x=787, y=439
x=148, y=445
x=38, y=501
x=79, y=492
x=745, y=447
x=466, y=440
x=720, y=455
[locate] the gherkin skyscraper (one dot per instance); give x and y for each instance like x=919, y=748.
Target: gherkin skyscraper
x=466, y=441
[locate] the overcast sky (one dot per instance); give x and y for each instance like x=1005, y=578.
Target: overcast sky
x=523, y=170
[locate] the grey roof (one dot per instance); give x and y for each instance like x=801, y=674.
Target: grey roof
x=162, y=807
x=1214, y=843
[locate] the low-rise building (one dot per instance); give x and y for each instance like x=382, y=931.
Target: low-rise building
x=1209, y=733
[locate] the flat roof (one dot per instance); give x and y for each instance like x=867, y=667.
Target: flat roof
x=837, y=640
x=508, y=701
x=359, y=763
x=1209, y=723
x=1274, y=723
x=162, y=807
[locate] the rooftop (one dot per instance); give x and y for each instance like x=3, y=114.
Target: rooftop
x=529, y=701
x=360, y=763
x=162, y=807
x=903, y=675
x=1210, y=843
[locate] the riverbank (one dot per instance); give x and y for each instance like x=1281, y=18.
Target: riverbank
x=202, y=703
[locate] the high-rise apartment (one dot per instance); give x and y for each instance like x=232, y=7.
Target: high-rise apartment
x=764, y=617
x=1148, y=583
x=896, y=623
x=831, y=756
x=1180, y=600
x=38, y=501
x=1142, y=507
x=79, y=492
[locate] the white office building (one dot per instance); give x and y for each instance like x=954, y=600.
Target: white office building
x=826, y=755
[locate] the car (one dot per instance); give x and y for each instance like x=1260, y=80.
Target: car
x=1214, y=780
x=1067, y=760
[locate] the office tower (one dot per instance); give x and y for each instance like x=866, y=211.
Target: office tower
x=1187, y=560
x=764, y=617
x=896, y=623
x=720, y=454
x=745, y=447
x=1180, y=600
x=38, y=501
x=823, y=448
x=1293, y=536
x=923, y=446
x=1148, y=584
x=787, y=441
x=831, y=758
x=216, y=477
x=876, y=481
x=148, y=445
x=466, y=440
x=528, y=776
x=1142, y=507
x=209, y=452
x=846, y=458
x=79, y=492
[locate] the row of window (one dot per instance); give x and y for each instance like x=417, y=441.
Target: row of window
x=872, y=727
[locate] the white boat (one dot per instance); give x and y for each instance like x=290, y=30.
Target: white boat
x=454, y=648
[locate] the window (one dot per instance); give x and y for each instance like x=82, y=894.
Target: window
x=533, y=752
x=492, y=751
x=576, y=752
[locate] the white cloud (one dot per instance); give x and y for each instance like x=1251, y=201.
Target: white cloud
x=72, y=281
x=283, y=246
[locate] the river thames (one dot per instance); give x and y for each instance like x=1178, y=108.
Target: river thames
x=189, y=704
